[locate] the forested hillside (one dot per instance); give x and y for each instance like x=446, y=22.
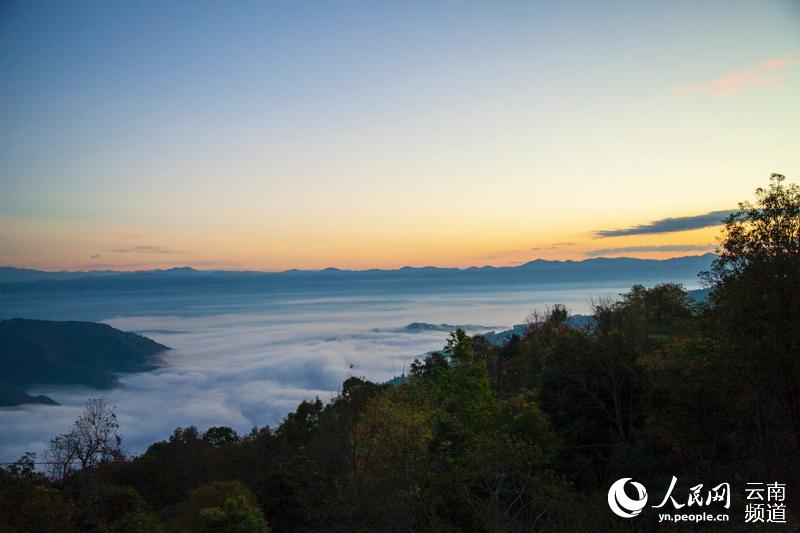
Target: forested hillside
x=524, y=436
x=44, y=351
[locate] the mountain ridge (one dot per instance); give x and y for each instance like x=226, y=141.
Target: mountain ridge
x=10, y=276
x=8, y=271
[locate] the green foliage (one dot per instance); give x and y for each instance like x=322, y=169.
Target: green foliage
x=38, y=509
x=236, y=516
x=224, y=506
x=107, y=507
x=138, y=522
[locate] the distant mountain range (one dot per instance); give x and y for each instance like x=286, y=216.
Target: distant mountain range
x=13, y=275
x=539, y=271
x=34, y=352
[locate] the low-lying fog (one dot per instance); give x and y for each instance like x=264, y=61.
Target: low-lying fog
x=248, y=360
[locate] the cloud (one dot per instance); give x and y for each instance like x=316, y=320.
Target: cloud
x=145, y=249
x=514, y=253
x=669, y=225
x=642, y=249
x=247, y=358
x=553, y=246
x=770, y=73
x=248, y=361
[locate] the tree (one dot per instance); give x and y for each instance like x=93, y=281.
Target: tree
x=756, y=315
x=389, y=446
x=219, y=436
x=91, y=439
x=24, y=468
x=764, y=234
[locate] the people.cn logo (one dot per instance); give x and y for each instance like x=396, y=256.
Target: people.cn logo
x=621, y=503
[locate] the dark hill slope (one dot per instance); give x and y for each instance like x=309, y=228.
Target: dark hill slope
x=10, y=397
x=86, y=353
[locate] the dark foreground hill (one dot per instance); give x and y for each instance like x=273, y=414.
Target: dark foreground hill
x=67, y=353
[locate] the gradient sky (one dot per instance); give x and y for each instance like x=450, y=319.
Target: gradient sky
x=293, y=134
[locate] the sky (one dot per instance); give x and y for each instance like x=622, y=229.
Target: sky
x=276, y=135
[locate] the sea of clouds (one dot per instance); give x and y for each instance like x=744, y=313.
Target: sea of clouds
x=248, y=362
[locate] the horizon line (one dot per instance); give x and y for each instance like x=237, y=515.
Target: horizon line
x=332, y=268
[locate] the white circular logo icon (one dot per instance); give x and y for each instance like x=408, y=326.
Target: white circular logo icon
x=621, y=504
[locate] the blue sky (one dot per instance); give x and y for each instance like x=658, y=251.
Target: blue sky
x=277, y=135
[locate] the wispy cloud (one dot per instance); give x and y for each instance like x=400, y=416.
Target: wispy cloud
x=508, y=254
x=643, y=249
x=771, y=73
x=554, y=246
x=669, y=225
x=145, y=249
